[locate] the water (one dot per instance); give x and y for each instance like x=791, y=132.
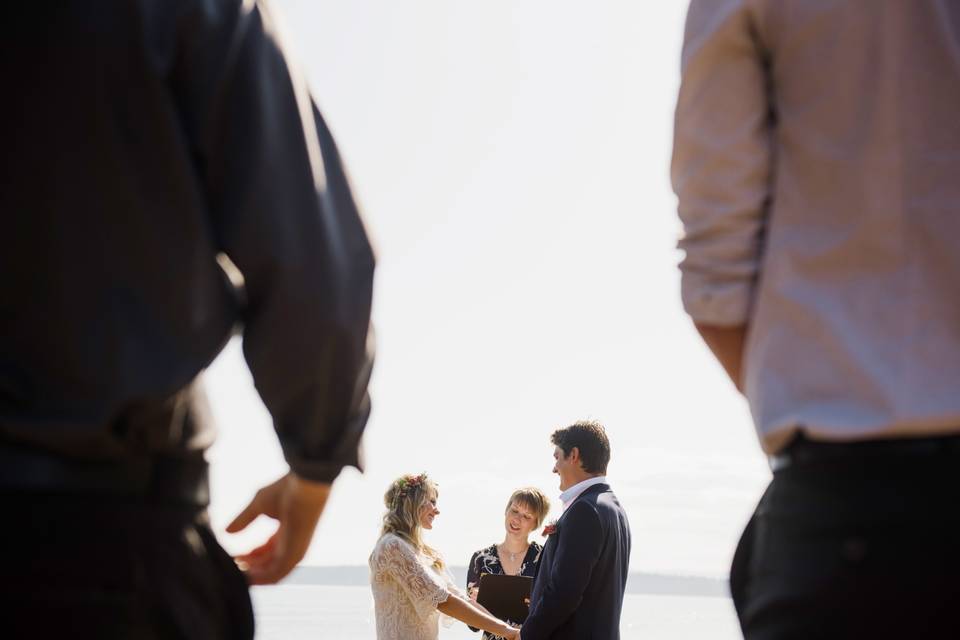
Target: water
x=302, y=612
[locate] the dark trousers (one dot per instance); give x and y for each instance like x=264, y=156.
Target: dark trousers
x=105, y=568
x=854, y=547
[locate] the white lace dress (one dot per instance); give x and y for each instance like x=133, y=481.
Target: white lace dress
x=406, y=591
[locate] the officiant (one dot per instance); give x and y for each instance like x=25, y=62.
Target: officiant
x=516, y=555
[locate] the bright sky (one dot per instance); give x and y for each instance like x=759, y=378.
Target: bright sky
x=512, y=162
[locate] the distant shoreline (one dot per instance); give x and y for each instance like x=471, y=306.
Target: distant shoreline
x=638, y=582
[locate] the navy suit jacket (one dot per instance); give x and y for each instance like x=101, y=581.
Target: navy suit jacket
x=578, y=592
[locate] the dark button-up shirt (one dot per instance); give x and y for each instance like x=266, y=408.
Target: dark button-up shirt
x=147, y=143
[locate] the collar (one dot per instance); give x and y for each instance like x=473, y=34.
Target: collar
x=571, y=494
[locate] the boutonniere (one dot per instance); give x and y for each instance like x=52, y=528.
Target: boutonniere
x=550, y=529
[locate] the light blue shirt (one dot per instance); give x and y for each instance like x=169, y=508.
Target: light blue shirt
x=816, y=159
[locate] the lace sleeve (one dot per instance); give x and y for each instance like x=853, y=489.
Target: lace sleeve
x=425, y=589
x=452, y=588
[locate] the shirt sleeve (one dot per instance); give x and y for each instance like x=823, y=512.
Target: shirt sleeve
x=283, y=213
x=473, y=575
x=722, y=160
x=473, y=578
x=533, y=568
x=425, y=589
x=452, y=589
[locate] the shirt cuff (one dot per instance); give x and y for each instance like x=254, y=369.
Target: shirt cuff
x=325, y=472
x=349, y=453
x=725, y=304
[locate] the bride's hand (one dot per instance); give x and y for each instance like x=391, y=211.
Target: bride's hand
x=512, y=633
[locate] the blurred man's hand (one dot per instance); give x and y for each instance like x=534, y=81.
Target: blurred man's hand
x=297, y=504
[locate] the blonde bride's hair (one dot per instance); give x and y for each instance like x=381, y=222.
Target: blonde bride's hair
x=404, y=500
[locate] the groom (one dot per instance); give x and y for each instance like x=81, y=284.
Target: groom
x=578, y=592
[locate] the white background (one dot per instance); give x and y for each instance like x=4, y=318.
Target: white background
x=512, y=162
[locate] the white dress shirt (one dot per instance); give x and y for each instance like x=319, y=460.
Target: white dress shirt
x=817, y=166
x=571, y=494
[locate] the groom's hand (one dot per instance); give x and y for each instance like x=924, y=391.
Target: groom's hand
x=297, y=504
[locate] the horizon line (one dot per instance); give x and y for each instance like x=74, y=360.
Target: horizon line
x=638, y=582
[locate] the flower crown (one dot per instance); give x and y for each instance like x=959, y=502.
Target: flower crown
x=405, y=485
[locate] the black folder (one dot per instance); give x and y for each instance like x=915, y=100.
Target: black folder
x=506, y=597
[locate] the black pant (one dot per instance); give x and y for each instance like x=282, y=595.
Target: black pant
x=854, y=548
x=105, y=568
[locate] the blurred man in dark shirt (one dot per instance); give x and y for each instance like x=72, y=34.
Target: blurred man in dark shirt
x=148, y=143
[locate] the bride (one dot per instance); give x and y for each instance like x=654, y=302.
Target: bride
x=411, y=586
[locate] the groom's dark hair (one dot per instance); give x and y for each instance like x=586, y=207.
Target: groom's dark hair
x=590, y=438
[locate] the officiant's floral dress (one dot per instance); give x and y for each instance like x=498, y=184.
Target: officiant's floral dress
x=406, y=591
x=487, y=561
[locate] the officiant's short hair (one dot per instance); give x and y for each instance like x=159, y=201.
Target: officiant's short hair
x=590, y=438
x=533, y=499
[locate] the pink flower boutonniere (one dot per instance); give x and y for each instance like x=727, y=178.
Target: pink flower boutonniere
x=550, y=529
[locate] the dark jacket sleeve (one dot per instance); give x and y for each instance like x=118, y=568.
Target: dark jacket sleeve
x=283, y=213
x=578, y=550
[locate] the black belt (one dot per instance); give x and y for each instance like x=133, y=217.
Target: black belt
x=803, y=452
x=162, y=479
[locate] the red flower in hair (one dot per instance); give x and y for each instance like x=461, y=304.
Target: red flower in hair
x=405, y=484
